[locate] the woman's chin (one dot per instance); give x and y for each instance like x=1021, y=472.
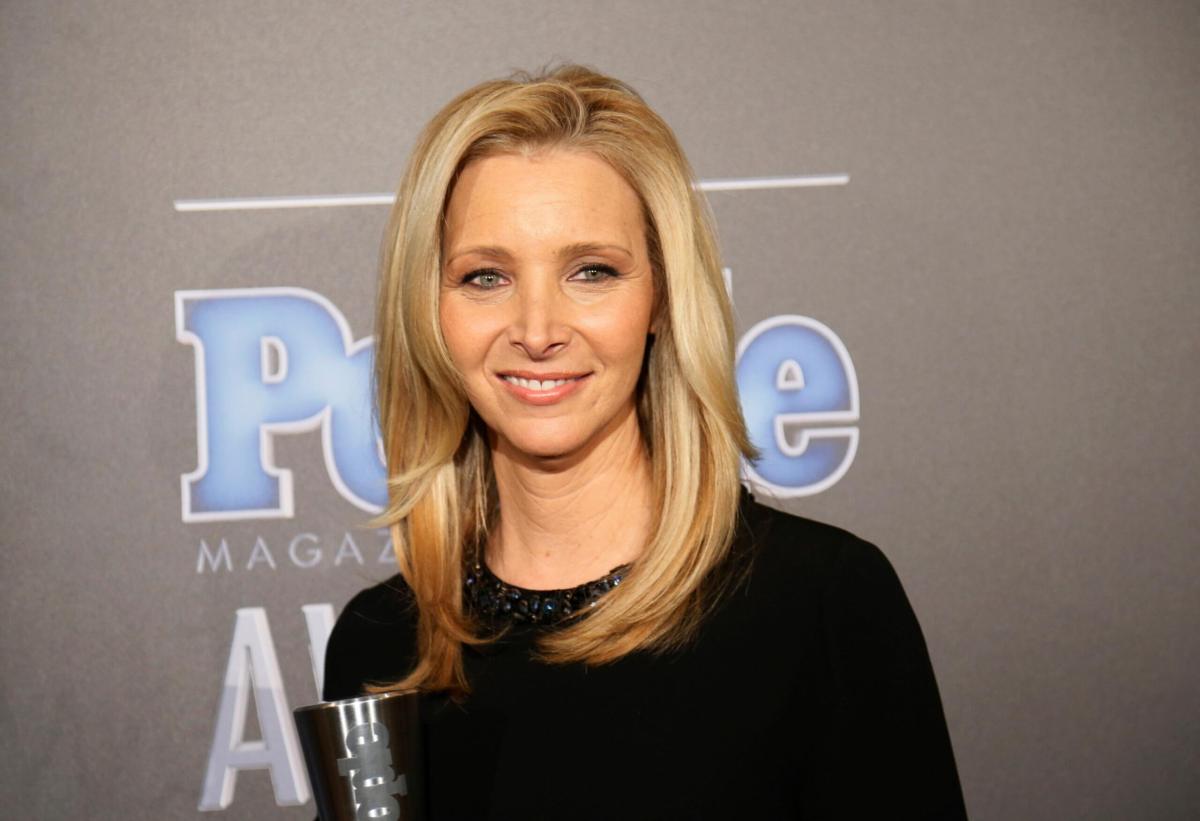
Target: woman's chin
x=543, y=445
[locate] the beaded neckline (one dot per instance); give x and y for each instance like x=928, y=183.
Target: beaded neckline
x=505, y=604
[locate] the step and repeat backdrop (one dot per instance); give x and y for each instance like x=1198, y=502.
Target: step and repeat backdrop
x=961, y=239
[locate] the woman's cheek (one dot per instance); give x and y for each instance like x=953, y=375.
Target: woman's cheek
x=463, y=330
x=625, y=334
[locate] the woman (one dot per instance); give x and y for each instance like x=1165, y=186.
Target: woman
x=601, y=620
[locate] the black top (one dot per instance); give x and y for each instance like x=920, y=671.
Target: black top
x=808, y=694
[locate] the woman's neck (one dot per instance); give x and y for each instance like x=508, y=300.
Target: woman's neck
x=568, y=522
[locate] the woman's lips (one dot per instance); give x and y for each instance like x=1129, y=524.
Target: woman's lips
x=542, y=395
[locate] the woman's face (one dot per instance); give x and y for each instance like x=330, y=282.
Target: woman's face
x=546, y=297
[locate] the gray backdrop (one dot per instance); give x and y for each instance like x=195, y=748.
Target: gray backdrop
x=1012, y=269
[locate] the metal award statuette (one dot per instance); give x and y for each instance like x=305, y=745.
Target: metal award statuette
x=364, y=757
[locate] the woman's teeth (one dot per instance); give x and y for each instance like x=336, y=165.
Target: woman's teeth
x=537, y=385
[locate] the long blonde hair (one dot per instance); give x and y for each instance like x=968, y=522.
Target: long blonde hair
x=441, y=489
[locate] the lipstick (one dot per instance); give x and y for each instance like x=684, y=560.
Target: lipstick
x=542, y=388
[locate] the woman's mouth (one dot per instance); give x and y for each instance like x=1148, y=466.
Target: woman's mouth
x=542, y=389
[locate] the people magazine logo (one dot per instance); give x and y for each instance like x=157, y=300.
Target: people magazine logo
x=276, y=361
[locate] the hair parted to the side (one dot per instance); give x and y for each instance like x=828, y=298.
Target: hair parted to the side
x=440, y=484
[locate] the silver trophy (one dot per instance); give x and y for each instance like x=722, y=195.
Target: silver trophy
x=365, y=757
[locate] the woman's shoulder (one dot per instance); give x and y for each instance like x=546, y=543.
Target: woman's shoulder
x=803, y=569
x=789, y=547
x=373, y=640
x=383, y=605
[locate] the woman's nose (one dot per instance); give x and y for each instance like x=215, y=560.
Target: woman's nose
x=539, y=325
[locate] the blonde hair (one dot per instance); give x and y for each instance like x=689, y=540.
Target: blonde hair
x=440, y=484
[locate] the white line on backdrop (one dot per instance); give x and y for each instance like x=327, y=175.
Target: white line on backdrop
x=344, y=200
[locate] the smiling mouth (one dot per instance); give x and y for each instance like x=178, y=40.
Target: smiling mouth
x=540, y=384
x=542, y=388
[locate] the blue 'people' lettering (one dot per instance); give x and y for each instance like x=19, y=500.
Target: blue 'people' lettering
x=270, y=361
x=799, y=396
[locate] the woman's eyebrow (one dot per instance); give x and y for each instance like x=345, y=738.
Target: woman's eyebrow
x=483, y=250
x=580, y=248
x=566, y=251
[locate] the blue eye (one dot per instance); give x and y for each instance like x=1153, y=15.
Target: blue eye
x=485, y=278
x=602, y=272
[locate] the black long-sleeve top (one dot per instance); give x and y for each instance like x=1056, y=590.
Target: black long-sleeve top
x=808, y=694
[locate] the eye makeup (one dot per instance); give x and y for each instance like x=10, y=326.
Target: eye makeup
x=475, y=278
x=607, y=272
x=486, y=279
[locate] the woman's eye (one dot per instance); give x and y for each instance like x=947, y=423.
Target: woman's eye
x=485, y=279
x=595, y=273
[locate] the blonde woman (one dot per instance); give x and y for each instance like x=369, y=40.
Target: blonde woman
x=601, y=620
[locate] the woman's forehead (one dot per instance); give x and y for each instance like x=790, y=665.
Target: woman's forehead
x=560, y=198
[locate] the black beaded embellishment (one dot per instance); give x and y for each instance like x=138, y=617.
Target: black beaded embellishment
x=501, y=603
